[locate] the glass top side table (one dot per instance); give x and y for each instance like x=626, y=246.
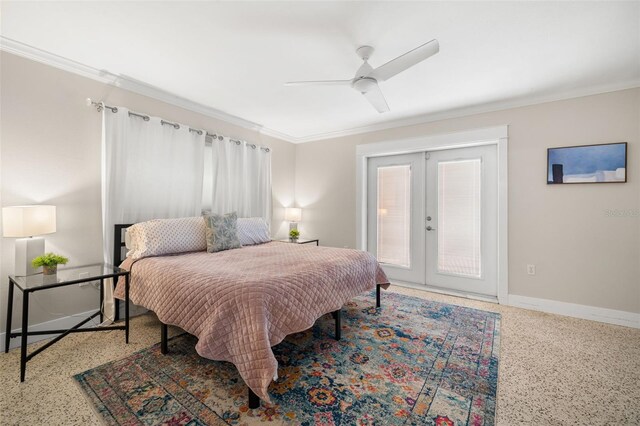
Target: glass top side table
x=64, y=277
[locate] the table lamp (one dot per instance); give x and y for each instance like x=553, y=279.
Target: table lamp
x=25, y=223
x=293, y=215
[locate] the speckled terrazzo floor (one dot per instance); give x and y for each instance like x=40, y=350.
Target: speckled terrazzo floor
x=553, y=370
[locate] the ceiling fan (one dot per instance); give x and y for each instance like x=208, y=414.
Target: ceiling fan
x=367, y=78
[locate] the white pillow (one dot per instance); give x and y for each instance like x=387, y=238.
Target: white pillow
x=167, y=236
x=127, y=240
x=253, y=230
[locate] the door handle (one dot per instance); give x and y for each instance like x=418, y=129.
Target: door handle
x=430, y=228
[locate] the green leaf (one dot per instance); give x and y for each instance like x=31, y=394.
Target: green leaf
x=48, y=259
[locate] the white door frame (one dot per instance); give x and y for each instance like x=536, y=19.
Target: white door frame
x=498, y=135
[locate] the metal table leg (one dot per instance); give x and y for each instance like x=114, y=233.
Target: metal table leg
x=101, y=300
x=7, y=336
x=116, y=302
x=25, y=326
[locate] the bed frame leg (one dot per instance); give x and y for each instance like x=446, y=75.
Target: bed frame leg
x=254, y=401
x=377, y=295
x=164, y=334
x=338, y=317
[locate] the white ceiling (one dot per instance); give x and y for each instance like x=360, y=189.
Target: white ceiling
x=235, y=57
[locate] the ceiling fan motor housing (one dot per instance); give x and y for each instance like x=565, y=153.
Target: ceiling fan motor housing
x=364, y=84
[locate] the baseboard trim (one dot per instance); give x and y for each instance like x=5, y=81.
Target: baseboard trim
x=63, y=323
x=593, y=313
x=447, y=292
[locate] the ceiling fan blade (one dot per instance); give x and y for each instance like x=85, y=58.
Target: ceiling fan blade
x=403, y=62
x=376, y=98
x=319, y=83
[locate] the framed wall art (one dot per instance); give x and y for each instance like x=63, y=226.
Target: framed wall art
x=602, y=163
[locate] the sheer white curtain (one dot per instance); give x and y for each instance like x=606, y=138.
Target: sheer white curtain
x=150, y=170
x=241, y=179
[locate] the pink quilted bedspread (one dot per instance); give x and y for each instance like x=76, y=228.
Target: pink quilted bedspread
x=240, y=303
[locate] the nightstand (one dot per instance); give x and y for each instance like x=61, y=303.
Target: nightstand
x=301, y=241
x=65, y=277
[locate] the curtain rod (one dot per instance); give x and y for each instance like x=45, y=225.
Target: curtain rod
x=101, y=105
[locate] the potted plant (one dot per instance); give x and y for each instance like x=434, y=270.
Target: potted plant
x=49, y=263
x=294, y=234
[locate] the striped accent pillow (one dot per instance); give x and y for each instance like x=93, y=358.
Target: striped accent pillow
x=253, y=230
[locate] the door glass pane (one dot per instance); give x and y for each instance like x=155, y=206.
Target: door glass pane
x=459, y=218
x=394, y=215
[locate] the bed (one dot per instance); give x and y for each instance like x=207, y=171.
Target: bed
x=239, y=303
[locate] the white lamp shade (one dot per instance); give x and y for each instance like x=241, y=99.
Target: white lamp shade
x=27, y=221
x=293, y=214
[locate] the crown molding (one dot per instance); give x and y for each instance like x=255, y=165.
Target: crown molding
x=26, y=51
x=472, y=110
x=33, y=53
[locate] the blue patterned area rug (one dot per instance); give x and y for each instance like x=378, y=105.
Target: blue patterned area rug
x=411, y=362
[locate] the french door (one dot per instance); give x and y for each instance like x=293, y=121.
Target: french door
x=461, y=220
x=395, y=205
x=432, y=218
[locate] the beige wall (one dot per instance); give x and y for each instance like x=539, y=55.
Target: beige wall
x=581, y=255
x=50, y=151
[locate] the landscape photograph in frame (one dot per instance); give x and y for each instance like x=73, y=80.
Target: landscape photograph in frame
x=603, y=163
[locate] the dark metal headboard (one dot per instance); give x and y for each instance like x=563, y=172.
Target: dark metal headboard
x=118, y=243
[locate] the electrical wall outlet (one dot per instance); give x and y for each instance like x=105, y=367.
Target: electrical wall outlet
x=531, y=269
